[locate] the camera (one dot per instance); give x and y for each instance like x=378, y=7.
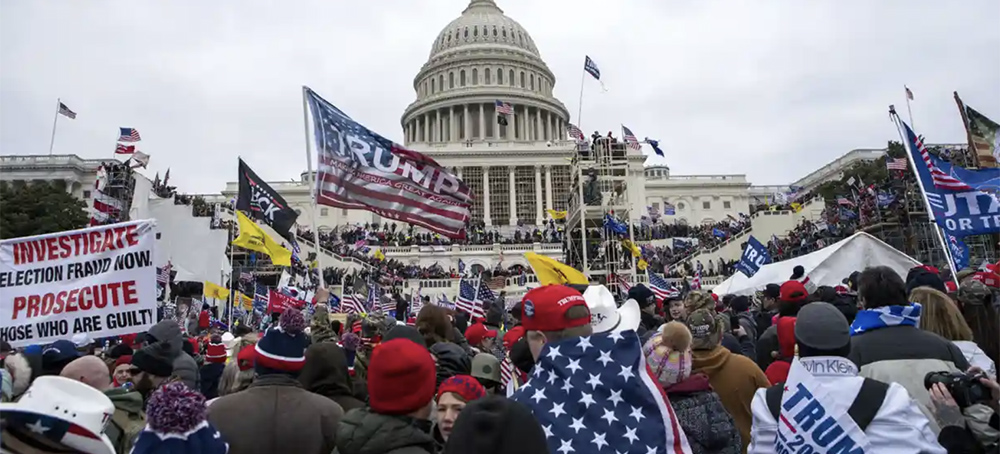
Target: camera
x=964, y=388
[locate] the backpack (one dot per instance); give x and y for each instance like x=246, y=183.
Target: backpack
x=124, y=429
x=863, y=410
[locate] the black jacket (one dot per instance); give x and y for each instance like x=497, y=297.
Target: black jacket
x=210, y=375
x=363, y=432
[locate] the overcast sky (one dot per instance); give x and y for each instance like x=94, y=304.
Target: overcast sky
x=773, y=89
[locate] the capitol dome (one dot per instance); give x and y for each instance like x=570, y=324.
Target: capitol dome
x=478, y=59
x=483, y=23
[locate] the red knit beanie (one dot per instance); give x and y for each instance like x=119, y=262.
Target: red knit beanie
x=401, y=377
x=466, y=386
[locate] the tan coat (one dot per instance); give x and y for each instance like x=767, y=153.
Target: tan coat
x=276, y=415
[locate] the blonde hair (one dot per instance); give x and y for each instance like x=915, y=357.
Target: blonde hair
x=234, y=380
x=940, y=315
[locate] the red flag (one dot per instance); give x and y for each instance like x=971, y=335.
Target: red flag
x=124, y=149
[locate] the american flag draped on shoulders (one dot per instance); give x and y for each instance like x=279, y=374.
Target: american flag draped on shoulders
x=595, y=394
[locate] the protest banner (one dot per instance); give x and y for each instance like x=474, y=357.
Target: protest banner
x=100, y=281
x=277, y=302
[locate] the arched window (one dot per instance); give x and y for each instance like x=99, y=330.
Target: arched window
x=531, y=77
x=510, y=77
x=503, y=32
x=449, y=37
x=499, y=76
x=475, y=31
x=433, y=86
x=466, y=32
x=451, y=80
x=475, y=76
x=486, y=72
x=522, y=80
x=461, y=78
x=441, y=82
x=494, y=31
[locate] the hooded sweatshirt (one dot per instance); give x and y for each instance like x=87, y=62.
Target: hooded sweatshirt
x=185, y=367
x=325, y=373
x=451, y=360
x=735, y=378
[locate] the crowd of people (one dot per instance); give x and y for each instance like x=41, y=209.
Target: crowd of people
x=910, y=363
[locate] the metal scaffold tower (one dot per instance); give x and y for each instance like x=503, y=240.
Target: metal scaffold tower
x=599, y=203
x=117, y=191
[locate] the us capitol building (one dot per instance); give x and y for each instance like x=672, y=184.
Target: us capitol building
x=516, y=171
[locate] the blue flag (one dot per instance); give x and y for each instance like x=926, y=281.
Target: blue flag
x=591, y=68
x=959, y=253
x=718, y=233
x=964, y=202
x=754, y=257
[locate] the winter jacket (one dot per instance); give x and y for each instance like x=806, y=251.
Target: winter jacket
x=325, y=373
x=128, y=419
x=365, y=432
x=762, y=320
x=649, y=322
x=977, y=357
x=898, y=427
x=276, y=415
x=735, y=378
x=746, y=319
x=742, y=346
x=905, y=354
x=707, y=425
x=185, y=366
x=451, y=360
x=210, y=375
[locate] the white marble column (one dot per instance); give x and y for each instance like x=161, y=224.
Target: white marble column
x=513, y=195
x=539, y=213
x=548, y=187
x=427, y=129
x=524, y=123
x=482, y=122
x=454, y=123
x=486, y=196
x=437, y=126
x=552, y=127
x=459, y=172
x=538, y=125
x=466, y=124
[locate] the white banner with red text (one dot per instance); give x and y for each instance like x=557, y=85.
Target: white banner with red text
x=99, y=281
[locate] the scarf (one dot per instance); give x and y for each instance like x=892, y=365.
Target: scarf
x=885, y=316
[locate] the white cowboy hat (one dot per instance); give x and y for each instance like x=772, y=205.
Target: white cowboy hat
x=605, y=316
x=65, y=411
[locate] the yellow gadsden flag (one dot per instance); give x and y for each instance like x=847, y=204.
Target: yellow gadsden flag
x=551, y=271
x=246, y=301
x=254, y=238
x=215, y=291
x=557, y=214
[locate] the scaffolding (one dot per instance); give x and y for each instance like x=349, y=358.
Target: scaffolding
x=599, y=189
x=117, y=191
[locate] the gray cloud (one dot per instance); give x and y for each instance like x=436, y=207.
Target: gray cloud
x=770, y=89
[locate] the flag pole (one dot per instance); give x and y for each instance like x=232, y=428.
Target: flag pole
x=909, y=112
x=55, y=121
x=312, y=185
x=579, y=109
x=232, y=235
x=930, y=210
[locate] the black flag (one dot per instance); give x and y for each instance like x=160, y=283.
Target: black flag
x=264, y=203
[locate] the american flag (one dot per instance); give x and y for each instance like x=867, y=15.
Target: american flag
x=359, y=169
x=496, y=283
x=940, y=179
x=163, y=274
x=896, y=164
x=246, y=277
x=909, y=94
x=128, y=135
x=352, y=304
x=504, y=108
x=661, y=288
x=65, y=111
x=575, y=133
x=595, y=394
x=124, y=149
x=506, y=370
x=468, y=297
x=696, y=283
x=630, y=139
x=623, y=283
x=845, y=201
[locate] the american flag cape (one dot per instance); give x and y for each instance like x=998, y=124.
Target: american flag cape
x=595, y=394
x=359, y=169
x=661, y=288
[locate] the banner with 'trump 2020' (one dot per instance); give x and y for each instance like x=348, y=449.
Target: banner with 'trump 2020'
x=100, y=281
